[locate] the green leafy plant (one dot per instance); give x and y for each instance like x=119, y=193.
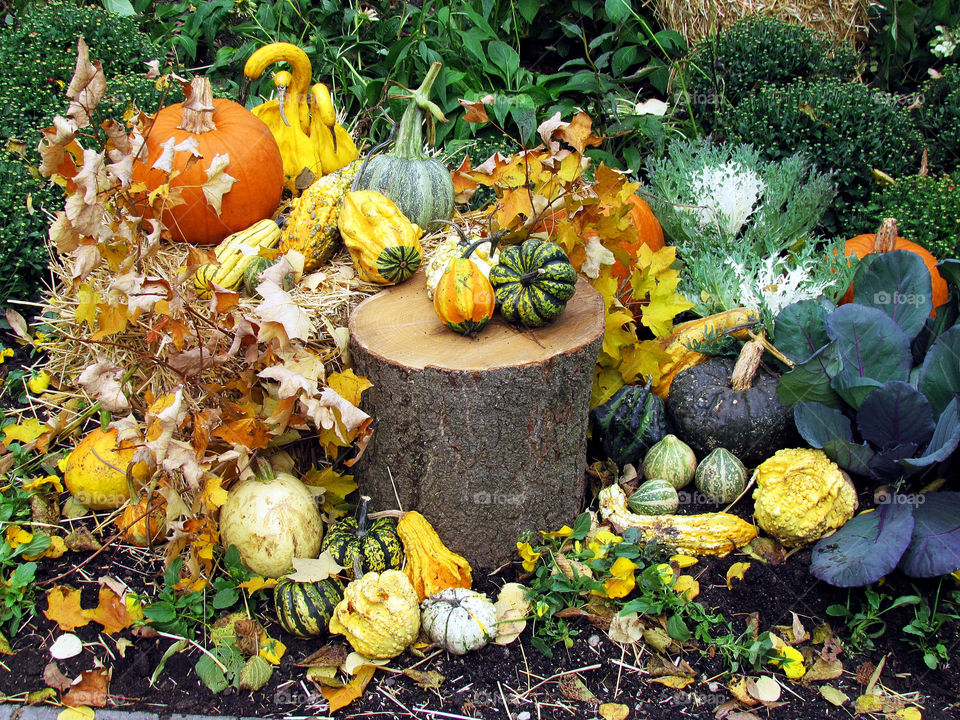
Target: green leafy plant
x=846, y=126
x=927, y=209
x=863, y=616
x=728, y=66
x=938, y=117
x=902, y=41
x=17, y=586
x=930, y=620
x=742, y=226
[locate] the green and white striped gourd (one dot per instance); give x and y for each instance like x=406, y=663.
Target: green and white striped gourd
x=672, y=460
x=721, y=476
x=654, y=497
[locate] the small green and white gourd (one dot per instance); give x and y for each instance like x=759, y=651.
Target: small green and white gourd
x=721, y=476
x=459, y=619
x=672, y=460
x=654, y=497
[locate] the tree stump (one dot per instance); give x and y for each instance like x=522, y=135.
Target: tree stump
x=485, y=436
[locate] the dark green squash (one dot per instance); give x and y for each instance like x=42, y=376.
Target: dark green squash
x=532, y=282
x=629, y=424
x=733, y=405
x=305, y=609
x=356, y=543
x=420, y=186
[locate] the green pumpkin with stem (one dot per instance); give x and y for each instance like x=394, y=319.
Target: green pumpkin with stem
x=533, y=282
x=419, y=185
x=361, y=546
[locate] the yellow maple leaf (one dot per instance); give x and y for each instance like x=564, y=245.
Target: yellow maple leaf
x=336, y=486
x=218, y=182
x=736, y=572
x=111, y=612
x=214, y=495
x=348, y=386
x=24, y=432
x=341, y=697
x=43, y=482
x=665, y=304
x=63, y=608
x=112, y=320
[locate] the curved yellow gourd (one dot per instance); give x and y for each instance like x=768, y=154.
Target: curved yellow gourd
x=302, y=118
x=301, y=73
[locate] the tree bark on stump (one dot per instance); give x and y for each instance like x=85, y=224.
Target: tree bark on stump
x=485, y=436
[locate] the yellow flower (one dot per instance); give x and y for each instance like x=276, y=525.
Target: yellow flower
x=665, y=572
x=541, y=608
x=565, y=531
x=622, y=581
x=790, y=661
x=39, y=382
x=4, y=354
x=602, y=541
x=17, y=536
x=530, y=557
x=38, y=483
x=683, y=561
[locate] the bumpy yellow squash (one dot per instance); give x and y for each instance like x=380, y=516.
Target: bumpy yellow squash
x=383, y=244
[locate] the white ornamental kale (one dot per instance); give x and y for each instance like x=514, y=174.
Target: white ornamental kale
x=727, y=194
x=774, y=282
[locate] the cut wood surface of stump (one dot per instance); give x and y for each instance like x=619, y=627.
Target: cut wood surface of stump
x=486, y=435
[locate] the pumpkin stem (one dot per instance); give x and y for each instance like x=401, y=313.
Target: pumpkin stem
x=886, y=238
x=409, y=143
x=197, y=115
x=746, y=366
x=362, y=517
x=527, y=278
x=464, y=240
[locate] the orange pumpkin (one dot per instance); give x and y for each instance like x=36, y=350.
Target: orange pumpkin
x=218, y=128
x=886, y=240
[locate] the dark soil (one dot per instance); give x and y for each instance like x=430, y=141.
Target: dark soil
x=486, y=683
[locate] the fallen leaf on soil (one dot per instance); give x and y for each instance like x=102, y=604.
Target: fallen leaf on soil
x=738, y=688
x=676, y=682
x=613, y=711
x=741, y=716
x=341, y=697
x=908, y=713
x=573, y=688
x=596, y=620
x=823, y=670
x=764, y=688
x=5, y=645
x=314, y=569
x=123, y=644
x=37, y=697
x=766, y=550
x=327, y=656
x=821, y=633
x=736, y=572
x=355, y=661
x=426, y=679
x=111, y=612
x=324, y=675
x=54, y=678
x=869, y=704
x=626, y=629
x=91, y=689
x=831, y=649
x=63, y=608
x=833, y=696
x=800, y=633
x=657, y=638
x=865, y=672
x=80, y=540
x=254, y=674
x=66, y=646
x=512, y=607
x=658, y=667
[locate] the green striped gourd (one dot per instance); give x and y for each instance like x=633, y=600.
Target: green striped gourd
x=629, y=424
x=361, y=546
x=721, y=476
x=654, y=497
x=305, y=609
x=672, y=460
x=532, y=282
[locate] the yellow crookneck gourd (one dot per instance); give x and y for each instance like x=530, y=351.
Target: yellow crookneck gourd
x=302, y=118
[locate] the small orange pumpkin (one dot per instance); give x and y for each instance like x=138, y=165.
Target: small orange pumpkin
x=464, y=299
x=218, y=128
x=886, y=240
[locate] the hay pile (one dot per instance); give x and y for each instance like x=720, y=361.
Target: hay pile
x=844, y=21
